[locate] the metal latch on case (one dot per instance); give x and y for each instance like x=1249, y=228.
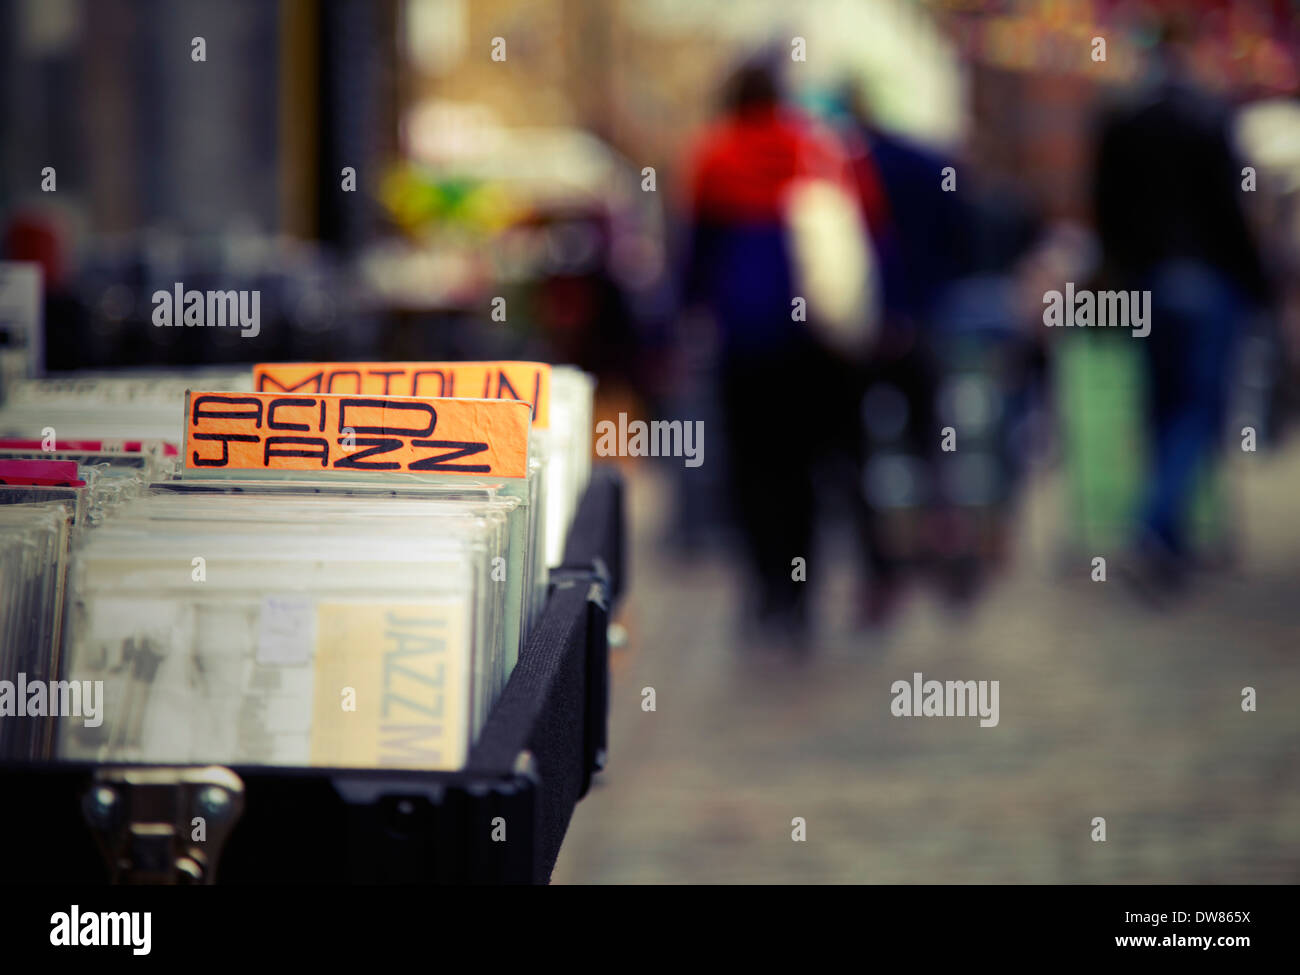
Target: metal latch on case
x=163, y=825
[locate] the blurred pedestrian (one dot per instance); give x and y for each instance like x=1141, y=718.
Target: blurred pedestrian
x=1170, y=220
x=918, y=232
x=785, y=397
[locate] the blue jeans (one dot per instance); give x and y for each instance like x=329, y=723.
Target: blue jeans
x=1196, y=313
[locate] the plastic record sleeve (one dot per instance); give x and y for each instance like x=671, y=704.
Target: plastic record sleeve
x=314, y=631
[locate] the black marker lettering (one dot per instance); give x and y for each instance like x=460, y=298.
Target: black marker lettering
x=388, y=375
x=389, y=405
x=225, y=439
x=198, y=414
x=264, y=382
x=344, y=372
x=446, y=384
x=439, y=463
x=381, y=445
x=503, y=384
x=280, y=401
x=322, y=449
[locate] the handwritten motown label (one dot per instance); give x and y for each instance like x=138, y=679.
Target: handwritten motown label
x=250, y=432
x=528, y=382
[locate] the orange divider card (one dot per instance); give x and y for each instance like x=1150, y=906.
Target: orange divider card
x=296, y=432
x=529, y=382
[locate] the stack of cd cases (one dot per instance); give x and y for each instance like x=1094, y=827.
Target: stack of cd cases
x=50, y=490
x=34, y=526
x=333, y=579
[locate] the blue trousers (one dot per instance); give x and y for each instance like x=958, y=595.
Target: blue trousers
x=1196, y=313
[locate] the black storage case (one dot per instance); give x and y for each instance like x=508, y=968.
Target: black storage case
x=533, y=761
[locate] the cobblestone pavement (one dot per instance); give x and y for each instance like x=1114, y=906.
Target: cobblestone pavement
x=1107, y=709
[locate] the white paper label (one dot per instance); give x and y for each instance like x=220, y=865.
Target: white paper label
x=286, y=633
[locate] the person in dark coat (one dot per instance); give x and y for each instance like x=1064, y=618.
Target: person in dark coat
x=1170, y=218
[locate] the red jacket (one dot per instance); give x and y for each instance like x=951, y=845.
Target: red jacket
x=743, y=165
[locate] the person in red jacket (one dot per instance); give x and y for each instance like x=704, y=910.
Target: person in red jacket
x=785, y=400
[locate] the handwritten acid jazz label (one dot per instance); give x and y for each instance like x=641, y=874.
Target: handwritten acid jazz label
x=250, y=432
x=528, y=382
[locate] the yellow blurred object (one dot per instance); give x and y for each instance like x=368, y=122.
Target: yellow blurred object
x=419, y=200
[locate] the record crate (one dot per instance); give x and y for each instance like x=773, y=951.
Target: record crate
x=501, y=819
